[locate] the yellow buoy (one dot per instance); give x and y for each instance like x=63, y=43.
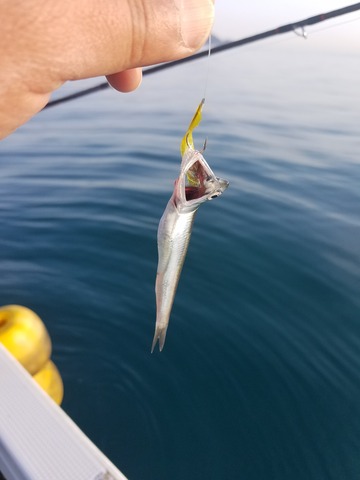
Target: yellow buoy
x=49, y=380
x=25, y=336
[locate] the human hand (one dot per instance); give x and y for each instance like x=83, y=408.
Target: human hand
x=45, y=43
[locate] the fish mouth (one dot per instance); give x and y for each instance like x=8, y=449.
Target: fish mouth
x=200, y=183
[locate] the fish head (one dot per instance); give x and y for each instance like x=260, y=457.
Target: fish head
x=197, y=183
x=215, y=187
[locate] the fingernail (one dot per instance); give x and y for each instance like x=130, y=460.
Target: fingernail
x=196, y=21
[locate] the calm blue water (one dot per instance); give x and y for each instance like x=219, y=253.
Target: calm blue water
x=260, y=374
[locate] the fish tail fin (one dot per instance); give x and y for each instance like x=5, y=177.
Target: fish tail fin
x=160, y=334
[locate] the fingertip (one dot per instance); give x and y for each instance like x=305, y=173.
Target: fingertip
x=197, y=18
x=126, y=81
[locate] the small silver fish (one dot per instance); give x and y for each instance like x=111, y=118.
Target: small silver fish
x=195, y=185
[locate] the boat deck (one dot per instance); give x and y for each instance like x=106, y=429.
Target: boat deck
x=38, y=441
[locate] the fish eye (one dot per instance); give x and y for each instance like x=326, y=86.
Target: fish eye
x=214, y=196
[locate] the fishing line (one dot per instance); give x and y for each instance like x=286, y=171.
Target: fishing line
x=208, y=67
x=291, y=27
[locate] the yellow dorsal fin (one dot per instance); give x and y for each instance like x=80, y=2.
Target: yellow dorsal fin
x=188, y=141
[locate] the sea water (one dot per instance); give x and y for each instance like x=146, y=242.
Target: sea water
x=260, y=374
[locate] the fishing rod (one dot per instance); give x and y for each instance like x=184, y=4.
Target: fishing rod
x=290, y=27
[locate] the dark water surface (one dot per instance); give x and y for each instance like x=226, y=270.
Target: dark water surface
x=260, y=374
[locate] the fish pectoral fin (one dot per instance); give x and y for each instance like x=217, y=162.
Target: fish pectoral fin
x=160, y=334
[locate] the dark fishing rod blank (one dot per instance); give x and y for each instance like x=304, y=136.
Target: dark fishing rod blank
x=290, y=27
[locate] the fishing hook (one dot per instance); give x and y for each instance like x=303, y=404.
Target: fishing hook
x=190, y=146
x=204, y=147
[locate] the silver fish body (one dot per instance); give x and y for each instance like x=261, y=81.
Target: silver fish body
x=175, y=230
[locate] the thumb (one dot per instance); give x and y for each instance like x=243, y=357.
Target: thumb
x=161, y=30
x=180, y=32
x=67, y=40
x=119, y=35
x=124, y=34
